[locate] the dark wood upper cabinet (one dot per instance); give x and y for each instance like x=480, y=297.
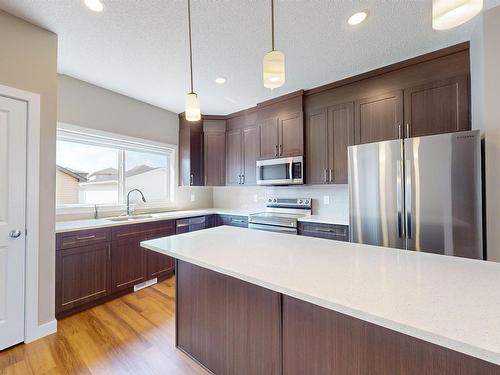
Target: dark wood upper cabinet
x=250, y=155
x=269, y=138
x=340, y=136
x=190, y=153
x=234, y=154
x=291, y=135
x=379, y=118
x=437, y=107
x=329, y=131
x=317, y=147
x=214, y=152
x=82, y=275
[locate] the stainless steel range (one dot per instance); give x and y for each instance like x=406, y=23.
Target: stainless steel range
x=281, y=215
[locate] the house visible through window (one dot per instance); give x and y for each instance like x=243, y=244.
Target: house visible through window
x=101, y=170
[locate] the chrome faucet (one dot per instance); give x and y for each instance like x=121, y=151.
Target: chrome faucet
x=129, y=211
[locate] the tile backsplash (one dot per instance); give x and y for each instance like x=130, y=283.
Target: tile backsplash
x=252, y=197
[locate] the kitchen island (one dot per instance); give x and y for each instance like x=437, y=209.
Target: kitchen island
x=253, y=302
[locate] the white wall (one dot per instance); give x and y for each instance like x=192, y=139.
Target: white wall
x=485, y=77
x=28, y=61
x=83, y=104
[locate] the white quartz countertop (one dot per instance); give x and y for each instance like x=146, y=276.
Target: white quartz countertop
x=448, y=301
x=74, y=225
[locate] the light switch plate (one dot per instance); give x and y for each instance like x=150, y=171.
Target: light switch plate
x=326, y=199
x=193, y=197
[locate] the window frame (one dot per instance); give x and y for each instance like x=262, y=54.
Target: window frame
x=79, y=133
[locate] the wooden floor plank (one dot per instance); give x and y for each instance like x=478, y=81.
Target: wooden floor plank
x=134, y=334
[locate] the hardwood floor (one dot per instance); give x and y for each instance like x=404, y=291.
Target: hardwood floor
x=134, y=334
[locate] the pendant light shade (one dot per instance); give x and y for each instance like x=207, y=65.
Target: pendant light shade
x=447, y=14
x=193, y=111
x=274, y=69
x=273, y=64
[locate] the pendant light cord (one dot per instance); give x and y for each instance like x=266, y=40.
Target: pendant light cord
x=190, y=46
x=272, y=24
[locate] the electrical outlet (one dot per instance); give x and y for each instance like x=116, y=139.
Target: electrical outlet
x=193, y=197
x=326, y=199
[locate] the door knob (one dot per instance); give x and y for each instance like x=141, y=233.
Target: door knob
x=15, y=233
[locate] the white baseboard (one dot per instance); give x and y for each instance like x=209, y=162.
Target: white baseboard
x=41, y=331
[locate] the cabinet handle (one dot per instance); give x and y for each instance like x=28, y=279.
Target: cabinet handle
x=331, y=175
x=281, y=150
x=275, y=150
x=85, y=237
x=408, y=130
x=239, y=179
x=109, y=252
x=400, y=132
x=206, y=179
x=191, y=180
x=242, y=179
x=237, y=221
x=325, y=178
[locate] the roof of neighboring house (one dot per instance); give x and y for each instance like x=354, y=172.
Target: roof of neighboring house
x=78, y=175
x=111, y=174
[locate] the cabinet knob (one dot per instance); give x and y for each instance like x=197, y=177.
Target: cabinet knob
x=275, y=150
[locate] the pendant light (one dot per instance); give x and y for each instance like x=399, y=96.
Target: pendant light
x=193, y=111
x=447, y=14
x=274, y=62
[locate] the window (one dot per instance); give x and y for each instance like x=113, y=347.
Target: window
x=97, y=169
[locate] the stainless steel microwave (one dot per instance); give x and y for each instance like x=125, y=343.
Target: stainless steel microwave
x=282, y=171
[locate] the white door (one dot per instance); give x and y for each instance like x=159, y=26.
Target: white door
x=13, y=121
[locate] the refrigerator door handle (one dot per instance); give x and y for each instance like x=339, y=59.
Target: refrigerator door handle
x=399, y=197
x=408, y=205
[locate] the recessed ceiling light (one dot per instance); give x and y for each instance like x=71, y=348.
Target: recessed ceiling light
x=357, y=18
x=220, y=80
x=94, y=5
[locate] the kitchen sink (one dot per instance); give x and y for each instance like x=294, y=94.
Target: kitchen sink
x=129, y=218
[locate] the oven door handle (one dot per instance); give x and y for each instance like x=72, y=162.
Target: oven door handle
x=273, y=228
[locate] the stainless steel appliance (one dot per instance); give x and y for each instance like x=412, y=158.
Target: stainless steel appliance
x=281, y=215
x=421, y=194
x=282, y=171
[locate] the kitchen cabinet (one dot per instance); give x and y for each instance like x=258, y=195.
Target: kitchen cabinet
x=233, y=220
x=214, y=152
x=329, y=131
x=323, y=230
x=241, y=156
x=379, y=118
x=190, y=224
x=93, y=266
x=191, y=153
x=83, y=275
x=282, y=136
x=437, y=107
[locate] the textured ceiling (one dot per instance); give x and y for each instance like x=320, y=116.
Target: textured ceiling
x=139, y=48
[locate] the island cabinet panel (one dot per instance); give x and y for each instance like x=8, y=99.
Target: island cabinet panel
x=379, y=118
x=83, y=275
x=227, y=325
x=437, y=107
x=319, y=341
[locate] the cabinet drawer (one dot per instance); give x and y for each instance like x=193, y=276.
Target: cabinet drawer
x=142, y=230
x=190, y=224
x=235, y=221
x=82, y=238
x=320, y=230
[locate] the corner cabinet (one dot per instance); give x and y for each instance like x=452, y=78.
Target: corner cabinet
x=242, y=153
x=329, y=131
x=190, y=153
x=214, y=152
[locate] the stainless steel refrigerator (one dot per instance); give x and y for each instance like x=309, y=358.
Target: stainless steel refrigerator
x=421, y=194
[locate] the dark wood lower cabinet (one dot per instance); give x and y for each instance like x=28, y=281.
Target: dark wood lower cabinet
x=321, y=230
x=106, y=263
x=229, y=326
x=234, y=327
x=319, y=341
x=83, y=275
